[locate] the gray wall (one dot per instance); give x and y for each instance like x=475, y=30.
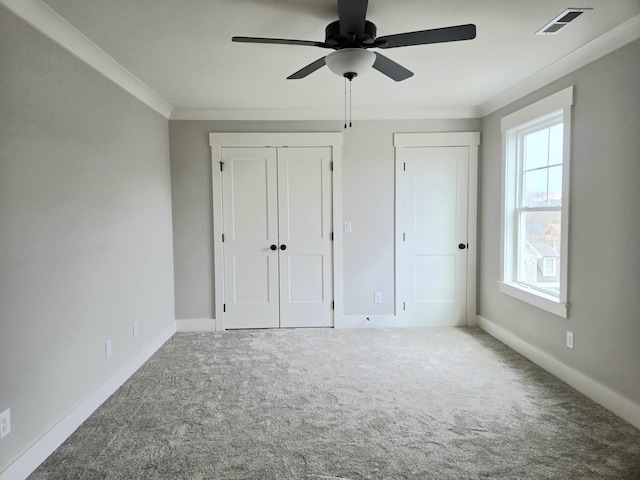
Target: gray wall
x=604, y=228
x=85, y=222
x=368, y=202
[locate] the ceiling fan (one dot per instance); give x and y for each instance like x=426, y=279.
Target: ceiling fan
x=352, y=35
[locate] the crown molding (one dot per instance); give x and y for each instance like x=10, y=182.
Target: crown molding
x=610, y=41
x=323, y=114
x=48, y=22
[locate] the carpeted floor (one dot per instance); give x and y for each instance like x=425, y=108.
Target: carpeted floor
x=355, y=404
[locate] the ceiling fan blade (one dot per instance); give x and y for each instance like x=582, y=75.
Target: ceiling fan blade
x=280, y=41
x=309, y=69
x=351, y=14
x=391, y=69
x=423, y=37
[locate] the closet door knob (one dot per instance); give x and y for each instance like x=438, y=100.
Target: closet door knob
x=273, y=247
x=283, y=247
x=462, y=246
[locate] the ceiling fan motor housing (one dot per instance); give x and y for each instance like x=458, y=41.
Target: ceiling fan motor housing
x=335, y=40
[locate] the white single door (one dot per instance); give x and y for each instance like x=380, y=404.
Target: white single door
x=436, y=189
x=277, y=245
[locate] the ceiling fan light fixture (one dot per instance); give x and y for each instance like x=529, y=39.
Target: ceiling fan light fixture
x=350, y=62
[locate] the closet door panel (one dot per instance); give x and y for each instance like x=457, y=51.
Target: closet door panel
x=249, y=184
x=304, y=213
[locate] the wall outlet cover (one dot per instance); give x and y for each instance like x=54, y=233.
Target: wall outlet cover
x=570, y=340
x=5, y=423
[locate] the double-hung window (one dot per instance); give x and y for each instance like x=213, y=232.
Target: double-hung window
x=536, y=154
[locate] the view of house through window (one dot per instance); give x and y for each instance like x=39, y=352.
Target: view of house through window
x=539, y=205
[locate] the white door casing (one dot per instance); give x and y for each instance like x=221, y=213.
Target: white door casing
x=306, y=300
x=436, y=194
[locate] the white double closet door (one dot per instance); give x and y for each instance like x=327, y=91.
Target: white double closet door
x=277, y=217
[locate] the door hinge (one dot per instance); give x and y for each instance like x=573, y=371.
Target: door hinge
x=221, y=164
x=223, y=238
x=331, y=166
x=332, y=236
x=404, y=237
x=404, y=166
x=333, y=305
x=224, y=307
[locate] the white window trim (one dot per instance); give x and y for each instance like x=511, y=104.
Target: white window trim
x=561, y=100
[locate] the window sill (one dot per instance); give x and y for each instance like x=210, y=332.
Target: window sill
x=535, y=298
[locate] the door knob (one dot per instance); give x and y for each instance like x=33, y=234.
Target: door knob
x=273, y=247
x=283, y=247
x=462, y=246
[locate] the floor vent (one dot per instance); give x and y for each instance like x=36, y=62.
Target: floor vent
x=561, y=21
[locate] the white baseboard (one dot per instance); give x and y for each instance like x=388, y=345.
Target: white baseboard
x=599, y=393
x=26, y=463
x=369, y=321
x=196, y=325
x=380, y=321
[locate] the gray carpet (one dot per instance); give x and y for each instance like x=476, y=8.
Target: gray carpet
x=356, y=404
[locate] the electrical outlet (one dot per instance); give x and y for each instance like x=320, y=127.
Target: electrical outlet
x=5, y=423
x=377, y=297
x=135, y=329
x=570, y=340
x=107, y=349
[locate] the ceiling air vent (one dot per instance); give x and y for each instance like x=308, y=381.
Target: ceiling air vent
x=561, y=21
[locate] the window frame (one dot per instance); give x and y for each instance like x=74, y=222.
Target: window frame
x=511, y=125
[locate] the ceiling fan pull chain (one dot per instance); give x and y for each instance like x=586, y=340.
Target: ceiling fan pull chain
x=350, y=103
x=345, y=102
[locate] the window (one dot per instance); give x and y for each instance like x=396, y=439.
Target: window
x=549, y=267
x=536, y=142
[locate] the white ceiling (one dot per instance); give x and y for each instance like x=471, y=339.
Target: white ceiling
x=182, y=51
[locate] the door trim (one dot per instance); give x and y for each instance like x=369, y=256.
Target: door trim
x=218, y=141
x=449, y=139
